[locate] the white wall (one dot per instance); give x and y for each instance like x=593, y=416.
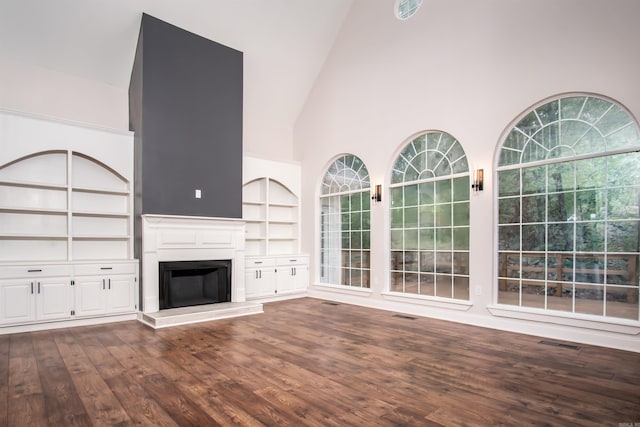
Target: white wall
x=36, y=90
x=467, y=68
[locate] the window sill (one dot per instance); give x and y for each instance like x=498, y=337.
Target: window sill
x=622, y=326
x=343, y=289
x=438, y=302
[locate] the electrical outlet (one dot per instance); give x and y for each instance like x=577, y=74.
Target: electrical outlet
x=198, y=194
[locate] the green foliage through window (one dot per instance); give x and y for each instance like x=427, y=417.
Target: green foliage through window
x=429, y=207
x=569, y=209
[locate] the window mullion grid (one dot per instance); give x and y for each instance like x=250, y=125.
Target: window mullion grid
x=564, y=159
x=434, y=243
x=347, y=264
x=452, y=242
x=520, y=254
x=535, y=112
x=546, y=239
x=337, y=241
x=606, y=238
x=546, y=277
x=560, y=122
x=613, y=132
x=584, y=103
x=419, y=251
x=435, y=238
x=595, y=258
x=404, y=243
x=575, y=204
x=595, y=123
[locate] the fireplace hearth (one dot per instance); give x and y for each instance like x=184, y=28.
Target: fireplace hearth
x=190, y=283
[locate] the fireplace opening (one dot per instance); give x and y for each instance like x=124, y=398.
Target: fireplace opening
x=188, y=283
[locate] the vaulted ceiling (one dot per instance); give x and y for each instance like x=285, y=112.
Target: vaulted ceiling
x=285, y=42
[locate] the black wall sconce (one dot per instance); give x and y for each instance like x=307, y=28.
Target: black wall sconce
x=478, y=180
x=377, y=193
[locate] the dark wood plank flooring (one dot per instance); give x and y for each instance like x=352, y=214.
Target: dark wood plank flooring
x=306, y=362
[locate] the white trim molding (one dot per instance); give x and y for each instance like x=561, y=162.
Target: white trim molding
x=621, y=326
x=447, y=303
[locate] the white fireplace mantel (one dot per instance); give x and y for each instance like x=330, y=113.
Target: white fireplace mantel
x=186, y=238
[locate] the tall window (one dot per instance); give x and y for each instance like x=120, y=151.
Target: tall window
x=430, y=218
x=568, y=209
x=345, y=212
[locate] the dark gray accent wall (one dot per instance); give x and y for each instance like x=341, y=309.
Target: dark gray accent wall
x=185, y=101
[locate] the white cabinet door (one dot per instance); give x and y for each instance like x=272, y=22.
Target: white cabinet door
x=106, y=288
x=301, y=278
x=286, y=279
x=121, y=294
x=96, y=295
x=53, y=299
x=260, y=282
x=90, y=296
x=273, y=276
x=293, y=274
x=29, y=300
x=17, y=301
x=260, y=277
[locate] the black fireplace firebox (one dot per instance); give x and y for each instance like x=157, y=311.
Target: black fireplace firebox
x=188, y=283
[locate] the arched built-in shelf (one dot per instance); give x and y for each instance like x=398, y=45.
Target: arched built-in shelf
x=270, y=211
x=63, y=205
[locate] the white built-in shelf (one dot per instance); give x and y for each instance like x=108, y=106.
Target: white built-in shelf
x=62, y=205
x=100, y=191
x=17, y=236
x=100, y=214
x=41, y=211
x=29, y=184
x=100, y=237
x=270, y=211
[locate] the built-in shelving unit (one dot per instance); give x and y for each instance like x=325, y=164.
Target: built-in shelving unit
x=33, y=208
x=66, y=247
x=270, y=211
x=100, y=211
x=275, y=268
x=72, y=208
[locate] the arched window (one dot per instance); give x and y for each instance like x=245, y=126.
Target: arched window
x=345, y=212
x=430, y=218
x=568, y=209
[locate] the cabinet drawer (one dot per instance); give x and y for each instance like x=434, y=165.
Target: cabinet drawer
x=105, y=269
x=292, y=260
x=259, y=262
x=26, y=271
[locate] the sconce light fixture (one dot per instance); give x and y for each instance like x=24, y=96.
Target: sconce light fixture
x=478, y=180
x=377, y=193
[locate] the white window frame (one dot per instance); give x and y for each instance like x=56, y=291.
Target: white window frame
x=347, y=175
x=612, y=146
x=442, y=144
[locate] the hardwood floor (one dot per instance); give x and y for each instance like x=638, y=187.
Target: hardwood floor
x=306, y=362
